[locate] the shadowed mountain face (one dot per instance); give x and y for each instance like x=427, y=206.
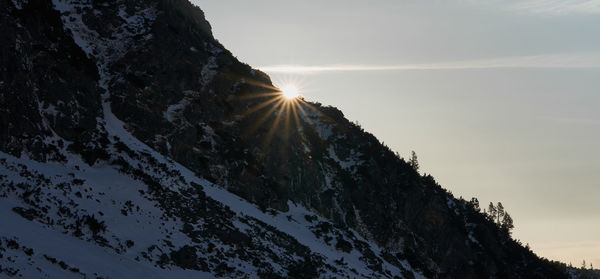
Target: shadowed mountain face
x=127, y=129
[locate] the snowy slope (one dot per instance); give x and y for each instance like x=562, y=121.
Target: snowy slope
x=105, y=192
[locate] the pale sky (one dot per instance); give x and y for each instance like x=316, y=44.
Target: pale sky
x=500, y=99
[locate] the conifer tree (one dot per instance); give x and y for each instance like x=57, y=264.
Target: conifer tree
x=499, y=213
x=491, y=211
x=507, y=223
x=414, y=162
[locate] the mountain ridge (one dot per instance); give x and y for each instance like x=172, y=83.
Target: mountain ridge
x=141, y=92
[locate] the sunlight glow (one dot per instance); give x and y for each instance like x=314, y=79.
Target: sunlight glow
x=290, y=92
x=282, y=109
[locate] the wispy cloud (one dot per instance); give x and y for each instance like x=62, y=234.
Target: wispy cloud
x=558, y=7
x=537, y=61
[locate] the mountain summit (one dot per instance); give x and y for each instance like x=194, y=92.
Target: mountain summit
x=134, y=145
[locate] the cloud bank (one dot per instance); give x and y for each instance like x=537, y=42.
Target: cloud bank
x=523, y=62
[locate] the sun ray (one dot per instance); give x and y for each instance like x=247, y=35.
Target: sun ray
x=273, y=128
x=311, y=107
x=295, y=114
x=277, y=110
x=258, y=123
x=304, y=114
x=288, y=109
x=316, y=111
x=259, y=95
x=261, y=106
x=261, y=84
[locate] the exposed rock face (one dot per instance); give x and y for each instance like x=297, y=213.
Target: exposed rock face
x=48, y=84
x=141, y=92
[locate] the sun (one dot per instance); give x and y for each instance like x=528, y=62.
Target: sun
x=290, y=92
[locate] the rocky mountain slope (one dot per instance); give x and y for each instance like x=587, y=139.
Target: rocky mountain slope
x=134, y=145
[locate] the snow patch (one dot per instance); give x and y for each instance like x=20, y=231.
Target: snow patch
x=20, y=3
x=350, y=163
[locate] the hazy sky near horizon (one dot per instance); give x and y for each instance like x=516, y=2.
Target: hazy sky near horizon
x=500, y=99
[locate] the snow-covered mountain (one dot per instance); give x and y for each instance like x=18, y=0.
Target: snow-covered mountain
x=134, y=145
